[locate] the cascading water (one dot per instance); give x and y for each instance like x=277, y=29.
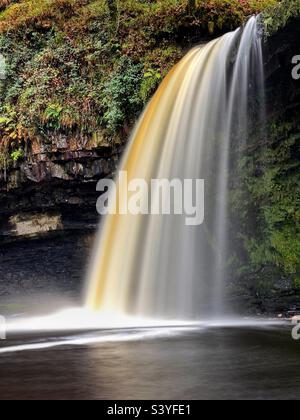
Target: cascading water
x=151, y=265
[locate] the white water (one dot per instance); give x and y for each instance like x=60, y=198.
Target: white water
x=81, y=327
x=156, y=266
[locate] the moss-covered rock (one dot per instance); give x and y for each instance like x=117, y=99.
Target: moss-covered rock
x=64, y=56
x=266, y=200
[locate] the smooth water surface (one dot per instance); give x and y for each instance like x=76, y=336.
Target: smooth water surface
x=247, y=362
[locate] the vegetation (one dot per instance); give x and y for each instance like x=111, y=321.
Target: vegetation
x=267, y=206
x=276, y=18
x=91, y=65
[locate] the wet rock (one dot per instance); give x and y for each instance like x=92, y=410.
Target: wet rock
x=34, y=224
x=46, y=266
x=58, y=171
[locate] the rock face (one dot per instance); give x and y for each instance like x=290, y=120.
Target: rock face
x=50, y=266
x=283, y=90
x=284, y=104
x=273, y=291
x=48, y=214
x=55, y=188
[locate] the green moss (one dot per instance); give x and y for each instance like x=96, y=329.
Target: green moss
x=120, y=97
x=62, y=57
x=297, y=282
x=151, y=79
x=17, y=155
x=268, y=201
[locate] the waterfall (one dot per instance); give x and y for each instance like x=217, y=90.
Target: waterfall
x=155, y=265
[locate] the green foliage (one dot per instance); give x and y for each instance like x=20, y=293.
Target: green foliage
x=120, y=98
x=64, y=58
x=151, y=79
x=270, y=203
x=53, y=114
x=8, y=124
x=297, y=282
x=17, y=155
x=277, y=17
